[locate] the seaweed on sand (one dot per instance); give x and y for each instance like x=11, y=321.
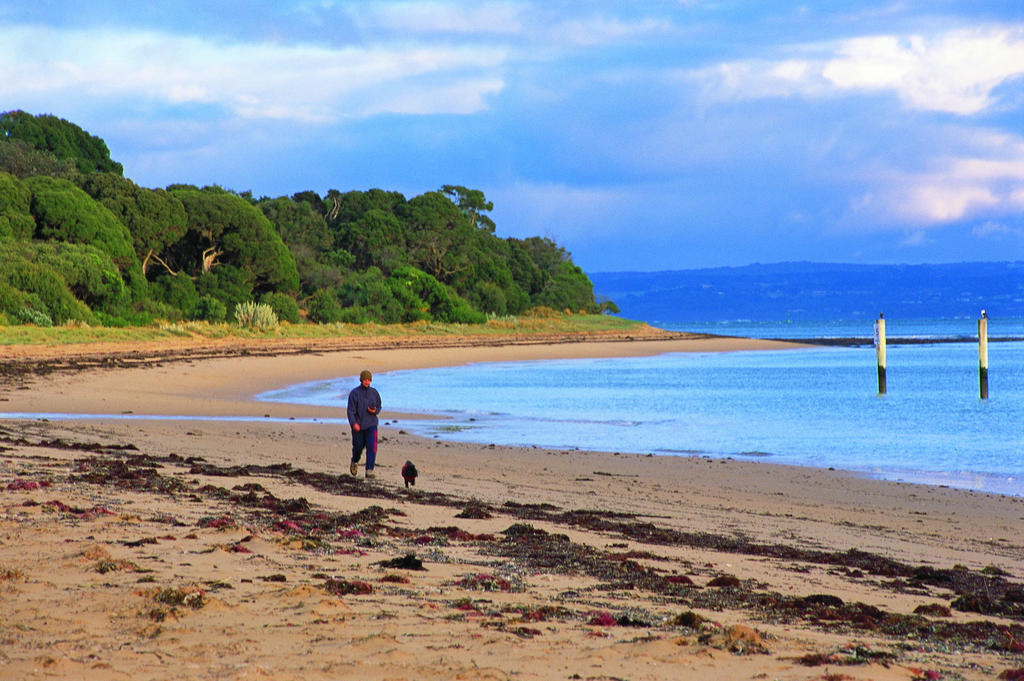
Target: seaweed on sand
x=986, y=592
x=540, y=550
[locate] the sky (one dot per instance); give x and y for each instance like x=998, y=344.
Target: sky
x=640, y=136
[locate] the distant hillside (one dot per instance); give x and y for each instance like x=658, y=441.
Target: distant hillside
x=816, y=291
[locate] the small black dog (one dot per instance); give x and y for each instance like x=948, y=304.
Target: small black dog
x=409, y=473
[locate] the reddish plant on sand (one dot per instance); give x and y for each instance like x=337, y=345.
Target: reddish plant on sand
x=99, y=510
x=344, y=587
x=395, y=579
x=678, y=579
x=216, y=523
x=19, y=484
x=602, y=619
x=350, y=534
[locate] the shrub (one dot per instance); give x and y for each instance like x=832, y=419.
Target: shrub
x=15, y=218
x=147, y=311
x=11, y=299
x=543, y=312
x=210, y=309
x=111, y=320
x=63, y=212
x=46, y=291
x=283, y=305
x=253, y=315
x=490, y=298
x=177, y=291
x=225, y=283
x=354, y=315
x=370, y=291
x=29, y=316
x=443, y=304
x=323, y=307
x=89, y=274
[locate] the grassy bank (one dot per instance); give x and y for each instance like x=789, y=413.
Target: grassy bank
x=81, y=334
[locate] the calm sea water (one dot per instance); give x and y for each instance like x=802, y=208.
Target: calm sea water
x=924, y=329
x=817, y=407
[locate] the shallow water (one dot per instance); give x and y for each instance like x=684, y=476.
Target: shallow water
x=816, y=407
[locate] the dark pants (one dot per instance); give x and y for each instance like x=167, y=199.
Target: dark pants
x=366, y=438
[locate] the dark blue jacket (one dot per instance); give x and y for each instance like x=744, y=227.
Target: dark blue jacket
x=358, y=400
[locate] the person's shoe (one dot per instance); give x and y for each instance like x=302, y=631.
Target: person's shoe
x=371, y=474
x=353, y=468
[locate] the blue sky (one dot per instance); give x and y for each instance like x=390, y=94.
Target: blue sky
x=639, y=135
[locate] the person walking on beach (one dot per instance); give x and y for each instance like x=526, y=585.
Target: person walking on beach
x=363, y=408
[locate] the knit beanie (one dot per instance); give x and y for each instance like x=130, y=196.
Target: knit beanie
x=365, y=374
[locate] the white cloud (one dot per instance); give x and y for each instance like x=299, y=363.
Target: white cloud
x=534, y=24
x=990, y=181
x=987, y=182
x=954, y=72
x=996, y=230
x=940, y=199
x=603, y=30
x=254, y=80
x=419, y=18
x=1017, y=198
x=914, y=239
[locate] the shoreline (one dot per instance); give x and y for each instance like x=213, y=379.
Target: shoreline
x=262, y=521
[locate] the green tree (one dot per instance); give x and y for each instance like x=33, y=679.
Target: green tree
x=473, y=204
x=298, y=223
x=210, y=309
x=568, y=289
x=63, y=139
x=439, y=301
x=15, y=208
x=63, y=212
x=525, y=272
x=230, y=247
x=375, y=239
x=227, y=283
x=304, y=231
x=368, y=293
x=323, y=307
x=365, y=225
x=155, y=218
x=90, y=275
x=313, y=199
x=563, y=285
x=177, y=291
x=31, y=279
x=488, y=283
x=283, y=305
x=341, y=208
x=23, y=160
x=438, y=235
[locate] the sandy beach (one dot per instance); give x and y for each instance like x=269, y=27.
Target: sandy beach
x=154, y=548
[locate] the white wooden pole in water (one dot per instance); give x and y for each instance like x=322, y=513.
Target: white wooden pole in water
x=983, y=354
x=880, y=351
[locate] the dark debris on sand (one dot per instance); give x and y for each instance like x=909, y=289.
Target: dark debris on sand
x=987, y=592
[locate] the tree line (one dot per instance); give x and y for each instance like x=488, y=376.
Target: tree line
x=81, y=242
